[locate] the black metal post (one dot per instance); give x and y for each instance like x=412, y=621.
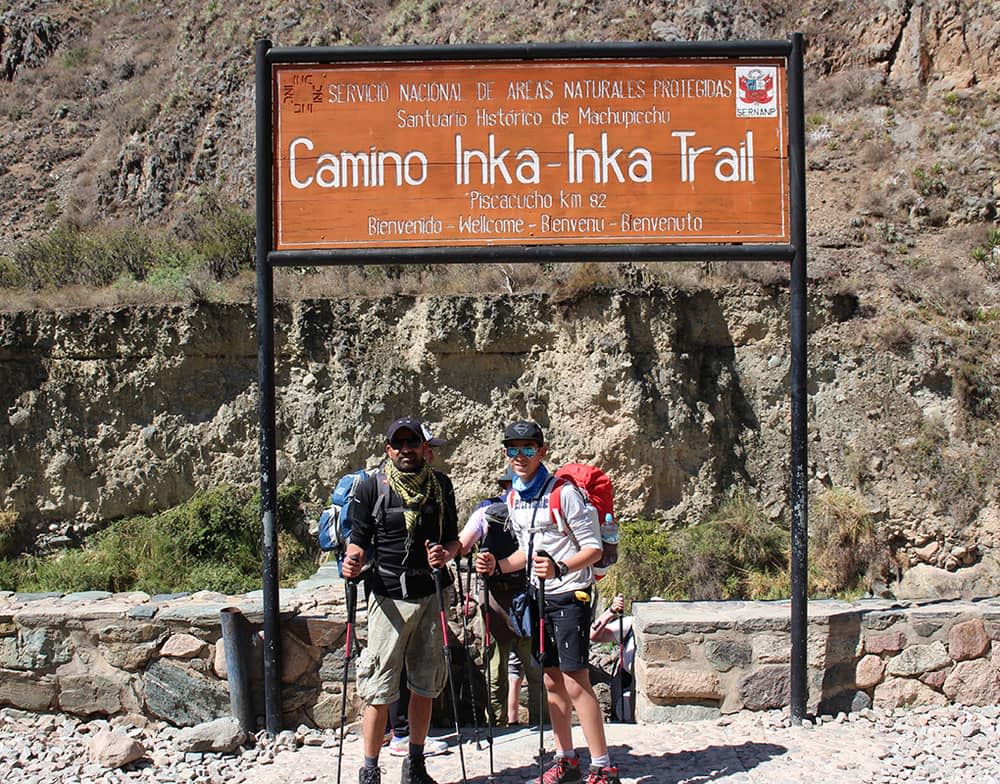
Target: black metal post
x=798, y=379
x=265, y=380
x=236, y=643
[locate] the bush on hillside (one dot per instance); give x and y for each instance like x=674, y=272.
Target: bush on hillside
x=215, y=239
x=212, y=542
x=736, y=553
x=846, y=547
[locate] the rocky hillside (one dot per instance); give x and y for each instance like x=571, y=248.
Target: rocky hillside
x=121, y=114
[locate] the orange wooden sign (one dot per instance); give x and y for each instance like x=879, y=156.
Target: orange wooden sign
x=386, y=155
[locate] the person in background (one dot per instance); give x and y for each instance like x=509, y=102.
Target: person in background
x=416, y=534
x=487, y=528
x=608, y=628
x=614, y=626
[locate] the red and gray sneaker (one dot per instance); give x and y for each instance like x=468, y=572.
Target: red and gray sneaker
x=564, y=769
x=607, y=775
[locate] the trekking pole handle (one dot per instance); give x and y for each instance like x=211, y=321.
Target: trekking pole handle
x=553, y=561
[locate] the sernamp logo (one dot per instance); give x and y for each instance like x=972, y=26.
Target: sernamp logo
x=756, y=91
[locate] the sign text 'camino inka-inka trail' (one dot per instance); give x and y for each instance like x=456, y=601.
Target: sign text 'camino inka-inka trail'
x=489, y=153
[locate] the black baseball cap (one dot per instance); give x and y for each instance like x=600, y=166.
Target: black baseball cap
x=523, y=430
x=409, y=423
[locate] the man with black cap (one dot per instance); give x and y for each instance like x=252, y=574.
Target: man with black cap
x=415, y=532
x=570, y=540
x=487, y=527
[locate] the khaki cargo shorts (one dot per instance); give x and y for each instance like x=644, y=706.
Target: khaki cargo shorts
x=402, y=631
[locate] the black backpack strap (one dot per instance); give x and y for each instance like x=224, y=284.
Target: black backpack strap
x=381, y=505
x=382, y=502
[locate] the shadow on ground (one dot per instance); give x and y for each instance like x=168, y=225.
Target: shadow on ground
x=690, y=766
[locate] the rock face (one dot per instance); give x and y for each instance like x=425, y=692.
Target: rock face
x=129, y=410
x=679, y=393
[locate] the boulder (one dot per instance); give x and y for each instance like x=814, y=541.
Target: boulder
x=772, y=648
x=181, y=697
x=922, y=581
x=918, y=659
x=968, y=640
x=221, y=735
x=905, y=693
x=111, y=749
x=726, y=654
x=973, y=683
x=869, y=672
x=183, y=646
x=673, y=684
x=766, y=688
x=887, y=642
x=27, y=691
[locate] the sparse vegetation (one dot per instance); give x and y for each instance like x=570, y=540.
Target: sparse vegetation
x=212, y=542
x=736, y=553
x=988, y=254
x=845, y=545
x=218, y=240
x=8, y=533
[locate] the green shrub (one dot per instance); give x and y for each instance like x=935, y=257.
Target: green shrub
x=737, y=553
x=654, y=567
x=216, y=237
x=220, y=235
x=212, y=542
x=735, y=543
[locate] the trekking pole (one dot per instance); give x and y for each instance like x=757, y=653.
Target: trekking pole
x=485, y=604
x=351, y=597
x=541, y=664
x=621, y=664
x=469, y=666
x=439, y=589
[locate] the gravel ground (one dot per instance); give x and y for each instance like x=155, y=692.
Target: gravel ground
x=943, y=744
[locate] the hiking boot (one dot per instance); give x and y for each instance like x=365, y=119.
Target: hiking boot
x=563, y=769
x=415, y=772
x=370, y=776
x=607, y=775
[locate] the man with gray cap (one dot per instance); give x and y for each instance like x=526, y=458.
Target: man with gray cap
x=415, y=532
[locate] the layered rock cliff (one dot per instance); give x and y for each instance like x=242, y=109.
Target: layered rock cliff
x=680, y=394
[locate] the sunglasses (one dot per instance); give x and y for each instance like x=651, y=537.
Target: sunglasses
x=408, y=443
x=514, y=451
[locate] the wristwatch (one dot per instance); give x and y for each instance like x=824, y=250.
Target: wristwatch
x=562, y=569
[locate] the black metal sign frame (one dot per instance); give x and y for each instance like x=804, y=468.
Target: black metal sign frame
x=794, y=253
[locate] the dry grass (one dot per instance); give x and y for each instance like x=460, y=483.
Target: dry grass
x=846, y=547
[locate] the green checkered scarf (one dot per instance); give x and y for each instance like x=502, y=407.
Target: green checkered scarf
x=416, y=490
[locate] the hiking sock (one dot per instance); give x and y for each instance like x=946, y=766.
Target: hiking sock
x=417, y=751
x=600, y=762
x=371, y=762
x=571, y=754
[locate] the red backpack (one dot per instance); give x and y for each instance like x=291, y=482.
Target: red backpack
x=593, y=483
x=595, y=487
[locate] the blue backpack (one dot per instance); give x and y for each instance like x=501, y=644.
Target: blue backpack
x=334, y=526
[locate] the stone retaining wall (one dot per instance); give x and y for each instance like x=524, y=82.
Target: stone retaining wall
x=700, y=659
x=98, y=654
